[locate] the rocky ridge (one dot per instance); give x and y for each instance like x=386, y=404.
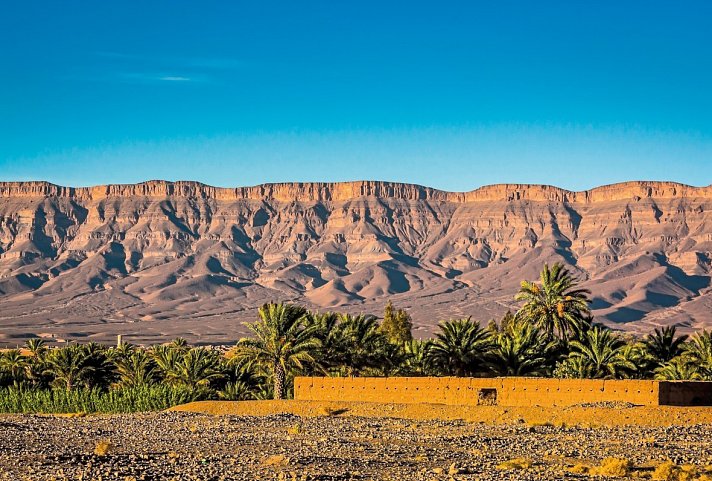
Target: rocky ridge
x=160, y=258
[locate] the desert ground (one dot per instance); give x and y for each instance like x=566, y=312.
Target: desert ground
x=292, y=440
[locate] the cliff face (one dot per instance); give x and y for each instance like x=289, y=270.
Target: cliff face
x=160, y=258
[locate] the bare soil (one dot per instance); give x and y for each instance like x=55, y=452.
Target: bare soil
x=291, y=440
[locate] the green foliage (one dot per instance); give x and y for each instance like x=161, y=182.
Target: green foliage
x=283, y=343
x=679, y=368
x=699, y=351
x=521, y=349
x=552, y=334
x=397, y=325
x=460, y=348
x=145, y=398
x=663, y=345
x=555, y=304
x=597, y=355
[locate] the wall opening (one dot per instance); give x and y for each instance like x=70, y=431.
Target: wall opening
x=487, y=397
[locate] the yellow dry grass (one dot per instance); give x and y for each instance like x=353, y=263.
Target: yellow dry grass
x=670, y=471
x=614, y=467
x=103, y=448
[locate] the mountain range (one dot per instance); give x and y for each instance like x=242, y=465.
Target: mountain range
x=158, y=259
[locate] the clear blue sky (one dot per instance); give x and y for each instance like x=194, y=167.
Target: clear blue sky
x=449, y=94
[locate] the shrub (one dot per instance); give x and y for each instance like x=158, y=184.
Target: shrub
x=122, y=400
x=103, y=448
x=670, y=471
x=616, y=467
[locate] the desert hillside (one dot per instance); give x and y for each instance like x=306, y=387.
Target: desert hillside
x=163, y=259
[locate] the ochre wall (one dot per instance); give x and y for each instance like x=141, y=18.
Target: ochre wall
x=511, y=391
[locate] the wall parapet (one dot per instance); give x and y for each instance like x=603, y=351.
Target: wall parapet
x=503, y=391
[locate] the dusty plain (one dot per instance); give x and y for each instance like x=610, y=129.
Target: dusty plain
x=293, y=440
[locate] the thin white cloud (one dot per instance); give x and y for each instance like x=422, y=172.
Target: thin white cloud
x=149, y=78
x=176, y=79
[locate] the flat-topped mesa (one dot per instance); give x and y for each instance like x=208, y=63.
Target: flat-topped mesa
x=342, y=191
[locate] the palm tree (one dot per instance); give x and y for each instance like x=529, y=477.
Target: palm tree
x=459, y=348
x=197, y=369
x=363, y=344
x=662, y=345
x=332, y=351
x=136, y=369
x=601, y=351
x=283, y=343
x=179, y=344
x=14, y=363
x=243, y=380
x=416, y=362
x=37, y=347
x=520, y=350
x=699, y=351
x=166, y=359
x=122, y=351
x=68, y=366
x=679, y=368
x=635, y=355
x=574, y=367
x=555, y=304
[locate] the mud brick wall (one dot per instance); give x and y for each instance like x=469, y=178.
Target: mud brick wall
x=503, y=391
x=686, y=393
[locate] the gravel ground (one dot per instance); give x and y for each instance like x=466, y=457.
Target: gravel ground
x=186, y=446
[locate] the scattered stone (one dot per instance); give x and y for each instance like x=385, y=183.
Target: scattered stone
x=142, y=447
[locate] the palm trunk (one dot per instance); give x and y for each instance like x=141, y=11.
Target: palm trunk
x=279, y=381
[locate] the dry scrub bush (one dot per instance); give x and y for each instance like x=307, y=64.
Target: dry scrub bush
x=579, y=469
x=616, y=467
x=516, y=463
x=670, y=471
x=295, y=429
x=103, y=448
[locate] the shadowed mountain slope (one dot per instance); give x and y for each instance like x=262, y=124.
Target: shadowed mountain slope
x=163, y=259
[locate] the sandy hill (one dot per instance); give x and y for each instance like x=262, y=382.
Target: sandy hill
x=163, y=259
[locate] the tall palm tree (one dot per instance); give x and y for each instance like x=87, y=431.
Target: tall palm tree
x=283, y=343
x=662, y=345
x=459, y=348
x=122, y=351
x=520, y=349
x=601, y=351
x=554, y=304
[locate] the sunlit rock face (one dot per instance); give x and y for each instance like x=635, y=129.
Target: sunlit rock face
x=161, y=259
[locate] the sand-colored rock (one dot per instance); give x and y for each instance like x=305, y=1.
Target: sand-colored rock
x=159, y=259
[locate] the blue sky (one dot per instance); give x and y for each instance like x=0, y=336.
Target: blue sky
x=449, y=94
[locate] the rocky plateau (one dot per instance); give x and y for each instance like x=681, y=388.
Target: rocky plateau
x=163, y=259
